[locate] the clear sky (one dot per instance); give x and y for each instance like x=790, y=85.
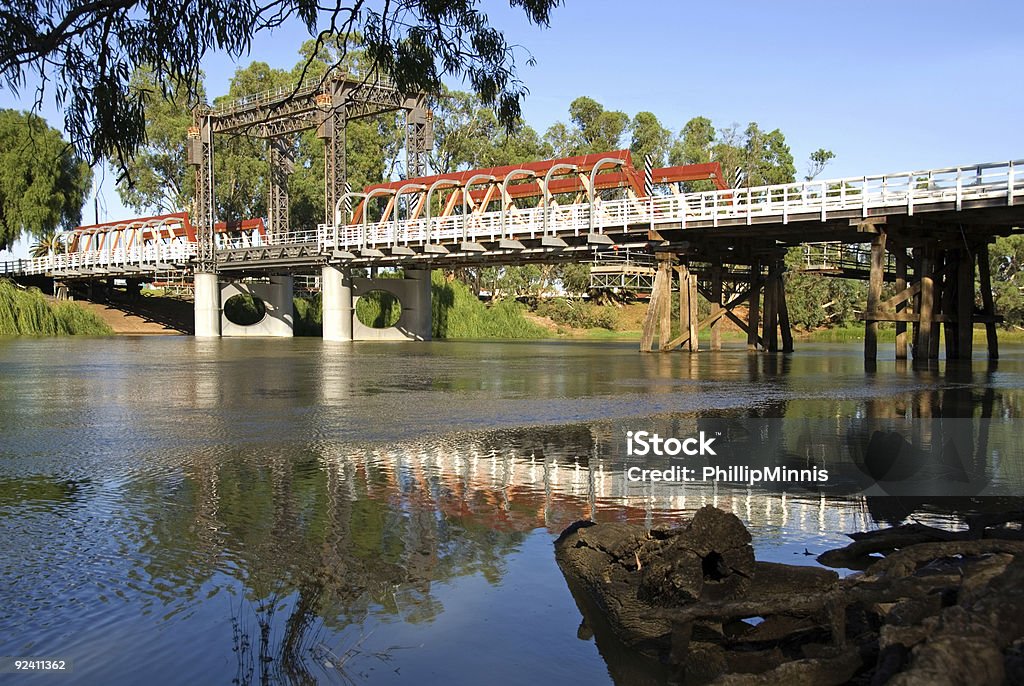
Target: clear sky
x=888, y=86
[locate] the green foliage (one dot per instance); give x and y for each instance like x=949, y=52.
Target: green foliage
x=817, y=162
x=574, y=277
x=694, y=146
x=49, y=243
x=244, y=310
x=467, y=135
x=815, y=300
x=308, y=316
x=593, y=129
x=578, y=313
x=43, y=184
x=161, y=180
x=649, y=138
x=763, y=157
x=1006, y=265
x=84, y=54
x=75, y=320
x=378, y=309
x=27, y=313
x=458, y=313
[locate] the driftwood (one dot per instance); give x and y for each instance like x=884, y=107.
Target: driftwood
x=964, y=643
x=808, y=672
x=710, y=559
x=683, y=594
x=940, y=607
x=861, y=553
x=905, y=562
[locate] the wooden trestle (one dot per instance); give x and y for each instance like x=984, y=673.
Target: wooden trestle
x=935, y=285
x=931, y=269
x=726, y=285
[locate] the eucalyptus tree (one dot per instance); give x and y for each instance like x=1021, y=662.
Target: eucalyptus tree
x=43, y=182
x=82, y=54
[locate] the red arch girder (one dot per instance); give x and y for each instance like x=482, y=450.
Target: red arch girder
x=624, y=175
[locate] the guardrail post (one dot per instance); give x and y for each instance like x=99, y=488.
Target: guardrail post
x=1009, y=183
x=959, y=189
x=910, y=195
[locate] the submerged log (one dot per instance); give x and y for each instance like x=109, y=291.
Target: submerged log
x=809, y=672
x=602, y=560
x=904, y=562
x=964, y=644
x=661, y=589
x=866, y=544
x=941, y=607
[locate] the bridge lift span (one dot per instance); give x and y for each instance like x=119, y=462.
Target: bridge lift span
x=580, y=176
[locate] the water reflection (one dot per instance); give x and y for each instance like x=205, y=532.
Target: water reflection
x=268, y=513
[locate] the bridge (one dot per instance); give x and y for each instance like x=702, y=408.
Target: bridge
x=926, y=232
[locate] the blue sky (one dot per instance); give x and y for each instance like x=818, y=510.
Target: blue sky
x=888, y=86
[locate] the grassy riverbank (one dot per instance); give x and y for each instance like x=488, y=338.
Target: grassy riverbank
x=887, y=334
x=28, y=313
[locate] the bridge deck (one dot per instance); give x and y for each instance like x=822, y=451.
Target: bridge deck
x=985, y=197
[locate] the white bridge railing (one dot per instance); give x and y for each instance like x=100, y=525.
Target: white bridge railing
x=1002, y=181
x=150, y=258
x=998, y=183
x=246, y=240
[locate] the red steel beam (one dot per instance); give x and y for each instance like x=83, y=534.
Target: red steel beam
x=623, y=176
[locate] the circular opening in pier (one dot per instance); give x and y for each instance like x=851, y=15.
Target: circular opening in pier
x=379, y=309
x=244, y=309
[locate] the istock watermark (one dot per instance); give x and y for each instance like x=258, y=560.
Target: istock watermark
x=644, y=443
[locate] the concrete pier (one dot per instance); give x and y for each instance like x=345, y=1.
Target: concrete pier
x=277, y=300
x=413, y=292
x=336, y=290
x=207, y=304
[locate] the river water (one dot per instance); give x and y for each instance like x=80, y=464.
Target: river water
x=175, y=510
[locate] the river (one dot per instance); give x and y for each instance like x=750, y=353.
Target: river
x=175, y=510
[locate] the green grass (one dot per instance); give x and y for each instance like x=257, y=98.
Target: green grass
x=887, y=334
x=27, y=313
x=458, y=313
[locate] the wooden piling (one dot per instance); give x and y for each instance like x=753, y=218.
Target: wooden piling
x=716, y=305
x=924, y=327
x=987, y=302
x=784, y=327
x=938, y=263
x=917, y=256
x=901, y=285
x=771, y=312
x=694, y=342
x=948, y=284
x=753, y=305
x=965, y=305
x=665, y=313
x=659, y=308
x=876, y=278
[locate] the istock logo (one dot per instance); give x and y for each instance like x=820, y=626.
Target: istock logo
x=641, y=443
